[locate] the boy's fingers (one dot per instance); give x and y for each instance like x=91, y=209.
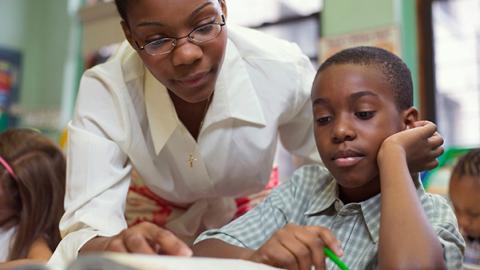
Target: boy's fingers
x=428, y=129
x=299, y=250
x=431, y=165
x=421, y=123
x=329, y=240
x=315, y=245
x=435, y=140
x=169, y=243
x=438, y=151
x=274, y=253
x=284, y=258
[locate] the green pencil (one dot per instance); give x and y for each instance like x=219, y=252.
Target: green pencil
x=329, y=253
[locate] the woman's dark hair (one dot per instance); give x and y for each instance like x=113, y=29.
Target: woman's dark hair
x=122, y=6
x=36, y=192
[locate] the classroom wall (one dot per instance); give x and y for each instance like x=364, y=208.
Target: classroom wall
x=347, y=16
x=45, y=52
x=340, y=17
x=13, y=22
x=41, y=31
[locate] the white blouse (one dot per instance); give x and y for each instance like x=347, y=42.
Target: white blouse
x=6, y=237
x=124, y=118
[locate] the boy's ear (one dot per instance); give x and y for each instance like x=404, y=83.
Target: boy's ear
x=128, y=34
x=410, y=116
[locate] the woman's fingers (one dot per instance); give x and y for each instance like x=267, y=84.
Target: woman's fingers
x=170, y=244
x=148, y=238
x=116, y=245
x=135, y=242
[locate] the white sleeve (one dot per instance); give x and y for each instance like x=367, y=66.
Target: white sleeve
x=98, y=171
x=296, y=134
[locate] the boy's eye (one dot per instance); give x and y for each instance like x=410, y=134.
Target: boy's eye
x=473, y=215
x=323, y=120
x=365, y=115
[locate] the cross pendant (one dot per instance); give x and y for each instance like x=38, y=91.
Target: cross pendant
x=190, y=160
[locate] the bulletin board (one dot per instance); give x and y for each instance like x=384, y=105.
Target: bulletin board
x=387, y=38
x=10, y=74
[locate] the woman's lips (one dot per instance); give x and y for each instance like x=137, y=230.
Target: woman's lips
x=194, y=80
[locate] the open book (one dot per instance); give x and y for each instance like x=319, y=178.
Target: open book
x=467, y=266
x=123, y=261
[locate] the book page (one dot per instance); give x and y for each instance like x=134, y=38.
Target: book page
x=158, y=262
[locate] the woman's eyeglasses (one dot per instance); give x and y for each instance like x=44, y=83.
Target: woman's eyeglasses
x=198, y=35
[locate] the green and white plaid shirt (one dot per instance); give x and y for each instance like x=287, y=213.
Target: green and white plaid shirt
x=310, y=199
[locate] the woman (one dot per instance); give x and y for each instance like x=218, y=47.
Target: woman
x=195, y=106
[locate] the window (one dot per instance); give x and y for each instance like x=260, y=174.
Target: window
x=294, y=20
x=456, y=28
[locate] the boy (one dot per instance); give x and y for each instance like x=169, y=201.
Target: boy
x=464, y=190
x=365, y=126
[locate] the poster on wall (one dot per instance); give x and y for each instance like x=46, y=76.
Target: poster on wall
x=10, y=71
x=387, y=38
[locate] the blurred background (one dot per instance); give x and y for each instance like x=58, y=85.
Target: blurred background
x=45, y=45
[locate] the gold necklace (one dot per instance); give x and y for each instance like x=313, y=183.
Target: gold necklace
x=191, y=157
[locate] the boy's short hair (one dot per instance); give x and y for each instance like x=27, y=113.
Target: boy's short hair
x=468, y=165
x=395, y=70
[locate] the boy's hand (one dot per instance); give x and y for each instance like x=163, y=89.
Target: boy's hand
x=297, y=247
x=145, y=237
x=422, y=145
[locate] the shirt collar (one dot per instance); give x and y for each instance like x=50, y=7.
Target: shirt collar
x=234, y=98
x=327, y=196
x=371, y=216
x=328, y=199
x=161, y=114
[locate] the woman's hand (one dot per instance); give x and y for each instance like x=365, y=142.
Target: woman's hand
x=145, y=237
x=297, y=247
x=421, y=144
